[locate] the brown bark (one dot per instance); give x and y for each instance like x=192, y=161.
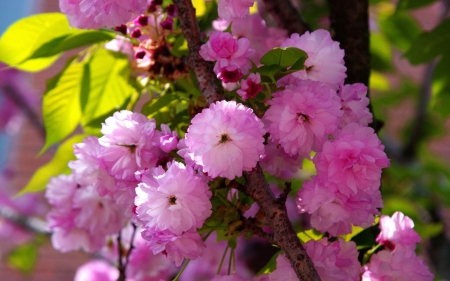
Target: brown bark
x=286, y=16
x=208, y=84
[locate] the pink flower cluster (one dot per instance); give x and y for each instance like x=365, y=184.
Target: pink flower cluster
x=229, y=9
x=224, y=140
x=346, y=188
x=171, y=205
x=231, y=55
x=98, y=197
x=398, y=261
x=98, y=13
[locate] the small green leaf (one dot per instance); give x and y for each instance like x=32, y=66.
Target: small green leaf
x=78, y=38
x=400, y=28
x=56, y=166
x=413, y=4
x=380, y=52
x=284, y=57
x=61, y=104
x=23, y=258
x=270, y=71
x=309, y=234
x=106, y=82
x=270, y=266
x=430, y=45
x=27, y=35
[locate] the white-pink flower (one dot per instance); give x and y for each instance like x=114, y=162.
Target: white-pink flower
x=129, y=144
x=397, y=265
x=175, y=200
x=231, y=55
x=278, y=163
x=99, y=13
x=188, y=245
x=334, y=212
x=229, y=9
x=325, y=62
x=250, y=87
x=334, y=261
x=354, y=104
x=353, y=160
x=302, y=116
x=97, y=270
x=225, y=139
x=397, y=230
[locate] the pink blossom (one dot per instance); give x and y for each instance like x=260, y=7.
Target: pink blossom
x=334, y=261
x=398, y=230
x=278, y=163
x=225, y=139
x=250, y=87
x=229, y=9
x=66, y=240
x=231, y=55
x=334, y=212
x=168, y=140
x=302, y=116
x=176, y=200
x=325, y=62
x=397, y=265
x=353, y=160
x=129, y=144
x=97, y=270
x=98, y=13
x=188, y=245
x=231, y=277
x=284, y=271
x=262, y=38
x=354, y=104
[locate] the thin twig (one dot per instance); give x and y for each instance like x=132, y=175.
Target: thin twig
x=286, y=16
x=120, y=267
x=131, y=247
x=30, y=223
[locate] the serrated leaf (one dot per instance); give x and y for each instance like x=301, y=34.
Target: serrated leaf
x=28, y=34
x=56, y=166
x=106, y=74
x=284, y=57
x=61, y=104
x=78, y=38
x=430, y=45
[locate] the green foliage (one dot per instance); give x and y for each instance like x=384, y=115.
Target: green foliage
x=27, y=35
x=280, y=62
x=413, y=4
x=400, y=28
x=430, y=45
x=270, y=266
x=56, y=166
x=61, y=103
x=23, y=258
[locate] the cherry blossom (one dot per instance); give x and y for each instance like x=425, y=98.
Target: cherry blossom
x=225, y=139
x=354, y=104
x=325, y=62
x=229, y=9
x=250, y=87
x=397, y=230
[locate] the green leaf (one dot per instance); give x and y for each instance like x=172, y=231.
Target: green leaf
x=380, y=52
x=284, y=57
x=400, y=28
x=107, y=87
x=160, y=107
x=441, y=88
x=270, y=266
x=413, y=4
x=56, y=166
x=78, y=38
x=430, y=45
x=27, y=35
x=309, y=234
x=270, y=71
x=61, y=103
x=23, y=258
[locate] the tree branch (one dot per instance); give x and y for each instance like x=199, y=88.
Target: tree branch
x=30, y=223
x=350, y=26
x=286, y=16
x=284, y=235
x=208, y=83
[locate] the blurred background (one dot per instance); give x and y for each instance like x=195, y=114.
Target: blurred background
x=413, y=101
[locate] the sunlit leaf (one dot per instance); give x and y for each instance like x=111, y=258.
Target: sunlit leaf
x=56, y=166
x=310, y=234
x=23, y=258
x=106, y=77
x=270, y=266
x=27, y=35
x=61, y=104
